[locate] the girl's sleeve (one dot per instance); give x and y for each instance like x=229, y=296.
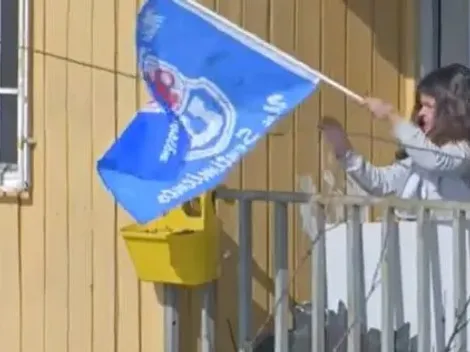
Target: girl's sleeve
x=377, y=181
x=452, y=158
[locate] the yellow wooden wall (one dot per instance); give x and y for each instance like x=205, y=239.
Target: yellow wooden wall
x=66, y=282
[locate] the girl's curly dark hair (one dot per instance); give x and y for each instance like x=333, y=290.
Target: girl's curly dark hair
x=450, y=87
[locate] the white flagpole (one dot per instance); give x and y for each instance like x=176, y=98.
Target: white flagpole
x=214, y=19
x=359, y=99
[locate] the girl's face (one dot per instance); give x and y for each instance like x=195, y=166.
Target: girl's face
x=426, y=115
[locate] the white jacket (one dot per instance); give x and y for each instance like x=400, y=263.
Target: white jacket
x=430, y=172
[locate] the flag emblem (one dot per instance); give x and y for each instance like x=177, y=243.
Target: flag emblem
x=204, y=110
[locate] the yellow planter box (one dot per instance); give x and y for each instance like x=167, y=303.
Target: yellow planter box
x=179, y=248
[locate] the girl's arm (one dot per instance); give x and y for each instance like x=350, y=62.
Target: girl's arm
x=452, y=158
x=377, y=181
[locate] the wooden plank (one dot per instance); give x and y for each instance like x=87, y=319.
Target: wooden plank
x=359, y=78
x=56, y=210
x=227, y=285
x=56, y=286
x=255, y=175
x=104, y=122
x=333, y=102
x=386, y=77
x=190, y=299
x=56, y=29
x=188, y=322
x=152, y=319
x=307, y=137
x=281, y=33
x=210, y=4
x=128, y=304
x=10, y=291
x=79, y=168
x=281, y=142
x=151, y=295
x=128, y=296
x=410, y=56
x=386, y=73
x=32, y=220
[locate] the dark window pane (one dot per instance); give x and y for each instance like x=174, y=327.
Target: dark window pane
x=9, y=43
x=8, y=129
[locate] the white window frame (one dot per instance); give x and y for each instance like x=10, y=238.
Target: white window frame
x=16, y=177
x=444, y=33
x=428, y=36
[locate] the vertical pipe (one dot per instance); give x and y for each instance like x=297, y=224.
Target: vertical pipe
x=355, y=272
x=171, y=318
x=281, y=290
x=318, y=289
x=244, y=274
x=387, y=335
x=460, y=280
x=423, y=294
x=208, y=318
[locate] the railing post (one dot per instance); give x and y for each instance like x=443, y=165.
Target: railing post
x=397, y=281
x=208, y=317
x=244, y=275
x=281, y=290
x=423, y=295
x=460, y=281
x=357, y=319
x=171, y=318
x=313, y=224
x=318, y=289
x=435, y=266
x=387, y=335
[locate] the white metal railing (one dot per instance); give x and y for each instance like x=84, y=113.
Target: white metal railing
x=312, y=211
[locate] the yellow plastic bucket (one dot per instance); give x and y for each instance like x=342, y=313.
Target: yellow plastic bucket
x=179, y=248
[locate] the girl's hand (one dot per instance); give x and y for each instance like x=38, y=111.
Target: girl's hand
x=335, y=136
x=379, y=108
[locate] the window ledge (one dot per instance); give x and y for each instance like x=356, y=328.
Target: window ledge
x=13, y=183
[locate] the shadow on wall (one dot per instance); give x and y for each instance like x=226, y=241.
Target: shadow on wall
x=226, y=314
x=392, y=26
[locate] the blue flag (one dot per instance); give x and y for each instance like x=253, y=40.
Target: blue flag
x=216, y=90
x=152, y=147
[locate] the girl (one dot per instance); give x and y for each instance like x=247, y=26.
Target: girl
x=436, y=142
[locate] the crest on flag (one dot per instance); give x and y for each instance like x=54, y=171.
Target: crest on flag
x=204, y=110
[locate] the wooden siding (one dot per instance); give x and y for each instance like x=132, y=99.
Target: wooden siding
x=66, y=281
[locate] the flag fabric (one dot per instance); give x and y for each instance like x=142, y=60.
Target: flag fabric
x=217, y=90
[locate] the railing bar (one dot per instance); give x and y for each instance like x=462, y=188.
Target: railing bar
x=387, y=335
x=355, y=273
x=268, y=196
x=281, y=299
x=423, y=295
x=171, y=317
x=303, y=197
x=318, y=289
x=244, y=274
x=9, y=91
x=460, y=281
x=439, y=312
x=208, y=318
